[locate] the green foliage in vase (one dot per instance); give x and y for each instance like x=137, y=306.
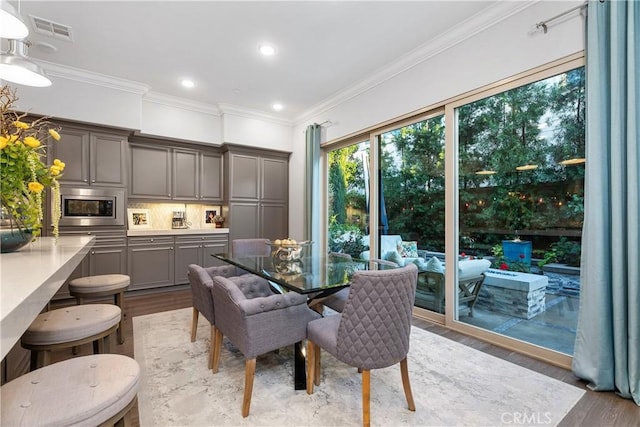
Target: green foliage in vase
x=23, y=172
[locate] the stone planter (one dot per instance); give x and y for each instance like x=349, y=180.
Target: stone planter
x=513, y=293
x=563, y=279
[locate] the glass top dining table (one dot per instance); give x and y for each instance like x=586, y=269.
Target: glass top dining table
x=308, y=275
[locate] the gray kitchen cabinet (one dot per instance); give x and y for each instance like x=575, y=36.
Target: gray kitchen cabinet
x=244, y=177
x=258, y=193
x=244, y=220
x=197, y=176
x=107, y=256
x=160, y=171
x=197, y=249
x=211, y=177
x=275, y=180
x=151, y=262
x=96, y=158
x=186, y=174
x=150, y=171
x=275, y=222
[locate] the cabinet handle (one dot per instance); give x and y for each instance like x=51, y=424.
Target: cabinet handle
x=93, y=180
x=85, y=180
x=151, y=240
x=89, y=233
x=169, y=194
x=93, y=252
x=171, y=248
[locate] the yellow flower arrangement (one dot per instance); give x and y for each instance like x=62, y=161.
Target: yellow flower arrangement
x=23, y=172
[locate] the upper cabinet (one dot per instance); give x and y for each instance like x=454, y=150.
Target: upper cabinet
x=197, y=175
x=95, y=157
x=258, y=193
x=150, y=170
x=165, y=172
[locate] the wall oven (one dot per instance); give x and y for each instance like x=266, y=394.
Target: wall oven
x=92, y=207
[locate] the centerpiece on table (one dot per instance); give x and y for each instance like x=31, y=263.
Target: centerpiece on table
x=24, y=175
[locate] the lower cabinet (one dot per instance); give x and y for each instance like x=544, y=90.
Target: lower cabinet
x=157, y=261
x=197, y=249
x=107, y=256
x=151, y=262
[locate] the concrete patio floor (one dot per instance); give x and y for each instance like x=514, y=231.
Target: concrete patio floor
x=555, y=328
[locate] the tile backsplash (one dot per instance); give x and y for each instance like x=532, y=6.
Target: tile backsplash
x=160, y=214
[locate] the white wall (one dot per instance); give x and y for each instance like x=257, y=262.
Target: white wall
x=162, y=119
x=238, y=128
x=84, y=101
x=129, y=105
x=497, y=52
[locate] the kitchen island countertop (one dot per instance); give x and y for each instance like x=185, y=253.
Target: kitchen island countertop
x=30, y=278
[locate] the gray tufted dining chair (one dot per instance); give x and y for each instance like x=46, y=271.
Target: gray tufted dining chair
x=372, y=332
x=201, y=281
x=336, y=301
x=256, y=321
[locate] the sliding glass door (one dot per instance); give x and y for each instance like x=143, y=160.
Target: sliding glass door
x=412, y=202
x=488, y=185
x=520, y=196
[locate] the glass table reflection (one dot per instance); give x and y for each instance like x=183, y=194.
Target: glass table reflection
x=315, y=276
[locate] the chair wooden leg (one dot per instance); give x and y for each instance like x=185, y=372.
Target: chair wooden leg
x=310, y=366
x=366, y=397
x=406, y=384
x=194, y=324
x=316, y=368
x=212, y=340
x=249, y=373
x=217, y=346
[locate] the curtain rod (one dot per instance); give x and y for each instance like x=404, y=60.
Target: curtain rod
x=543, y=24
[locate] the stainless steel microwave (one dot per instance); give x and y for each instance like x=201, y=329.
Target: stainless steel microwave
x=92, y=207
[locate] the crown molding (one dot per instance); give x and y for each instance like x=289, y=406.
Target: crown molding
x=97, y=79
x=236, y=110
x=489, y=17
x=182, y=103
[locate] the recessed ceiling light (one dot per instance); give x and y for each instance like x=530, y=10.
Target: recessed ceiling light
x=267, y=49
x=277, y=107
x=187, y=83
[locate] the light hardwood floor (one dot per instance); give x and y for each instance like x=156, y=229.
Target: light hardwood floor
x=597, y=409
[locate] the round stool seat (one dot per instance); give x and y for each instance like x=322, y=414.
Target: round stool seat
x=69, y=324
x=105, y=284
x=87, y=390
x=100, y=286
x=70, y=327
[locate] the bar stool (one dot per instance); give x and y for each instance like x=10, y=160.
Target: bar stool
x=70, y=327
x=91, y=390
x=100, y=286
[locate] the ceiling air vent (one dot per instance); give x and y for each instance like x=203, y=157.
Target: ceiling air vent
x=51, y=29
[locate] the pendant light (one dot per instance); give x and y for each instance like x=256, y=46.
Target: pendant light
x=17, y=68
x=11, y=26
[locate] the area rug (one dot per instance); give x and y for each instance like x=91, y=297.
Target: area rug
x=453, y=385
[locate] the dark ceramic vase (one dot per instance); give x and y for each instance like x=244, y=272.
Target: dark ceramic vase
x=12, y=239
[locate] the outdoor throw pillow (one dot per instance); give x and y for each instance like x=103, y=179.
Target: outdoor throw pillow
x=395, y=257
x=409, y=249
x=435, y=266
